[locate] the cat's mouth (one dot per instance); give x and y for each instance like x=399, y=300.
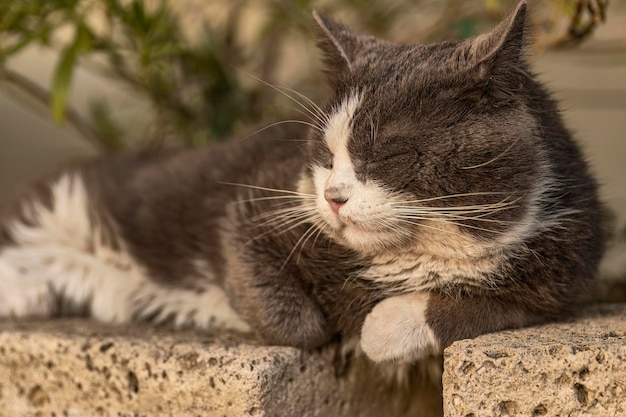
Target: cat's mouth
x=362, y=235
x=346, y=221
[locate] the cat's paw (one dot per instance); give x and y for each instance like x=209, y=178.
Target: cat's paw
x=396, y=330
x=287, y=322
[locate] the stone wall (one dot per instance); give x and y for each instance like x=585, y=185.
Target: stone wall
x=80, y=368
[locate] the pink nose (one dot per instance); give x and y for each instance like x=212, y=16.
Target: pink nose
x=335, y=201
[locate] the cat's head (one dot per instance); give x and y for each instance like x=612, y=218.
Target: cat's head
x=427, y=145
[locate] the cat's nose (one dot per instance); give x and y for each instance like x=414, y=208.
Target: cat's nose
x=335, y=199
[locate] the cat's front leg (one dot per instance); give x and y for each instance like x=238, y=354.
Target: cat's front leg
x=280, y=313
x=273, y=300
x=412, y=326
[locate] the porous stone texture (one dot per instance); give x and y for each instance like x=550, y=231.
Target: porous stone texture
x=574, y=369
x=80, y=368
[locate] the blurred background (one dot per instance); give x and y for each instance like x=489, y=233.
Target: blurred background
x=89, y=77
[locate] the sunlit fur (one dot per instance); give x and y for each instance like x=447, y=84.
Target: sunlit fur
x=419, y=242
x=458, y=204
x=62, y=263
x=390, y=225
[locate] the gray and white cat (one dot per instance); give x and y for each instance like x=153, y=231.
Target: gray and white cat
x=438, y=197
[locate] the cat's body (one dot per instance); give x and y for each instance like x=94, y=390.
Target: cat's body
x=437, y=197
x=162, y=250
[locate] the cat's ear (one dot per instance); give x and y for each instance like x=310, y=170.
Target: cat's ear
x=504, y=47
x=496, y=61
x=339, y=44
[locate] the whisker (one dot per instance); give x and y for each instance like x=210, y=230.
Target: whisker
x=280, y=90
x=454, y=211
x=286, y=226
x=319, y=223
x=466, y=214
x=280, y=123
x=476, y=213
x=501, y=203
x=426, y=226
x=479, y=193
x=456, y=224
x=308, y=112
x=318, y=110
x=284, y=218
x=294, y=199
x=400, y=232
x=458, y=219
x=298, y=208
x=316, y=231
x=257, y=187
x=292, y=251
x=495, y=158
x=283, y=213
x=307, y=115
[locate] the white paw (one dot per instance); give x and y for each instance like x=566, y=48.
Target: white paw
x=396, y=330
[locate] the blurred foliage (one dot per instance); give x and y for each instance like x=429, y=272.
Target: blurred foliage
x=189, y=60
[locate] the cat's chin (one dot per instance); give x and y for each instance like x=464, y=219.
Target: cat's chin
x=359, y=236
x=367, y=240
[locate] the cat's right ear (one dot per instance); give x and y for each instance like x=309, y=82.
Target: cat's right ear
x=338, y=43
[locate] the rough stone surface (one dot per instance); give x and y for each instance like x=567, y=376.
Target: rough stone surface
x=573, y=369
x=79, y=368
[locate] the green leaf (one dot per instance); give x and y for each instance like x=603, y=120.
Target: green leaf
x=40, y=36
x=107, y=128
x=140, y=14
x=9, y=18
x=65, y=69
x=61, y=82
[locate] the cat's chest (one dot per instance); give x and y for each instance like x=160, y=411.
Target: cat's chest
x=423, y=272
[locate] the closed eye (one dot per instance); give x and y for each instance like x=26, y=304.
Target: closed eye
x=322, y=155
x=326, y=159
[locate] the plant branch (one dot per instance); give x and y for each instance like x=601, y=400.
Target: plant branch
x=578, y=29
x=73, y=118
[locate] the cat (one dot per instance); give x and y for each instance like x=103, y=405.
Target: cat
x=437, y=196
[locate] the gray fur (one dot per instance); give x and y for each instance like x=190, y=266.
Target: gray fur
x=455, y=118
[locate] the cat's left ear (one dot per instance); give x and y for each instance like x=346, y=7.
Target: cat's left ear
x=503, y=48
x=339, y=44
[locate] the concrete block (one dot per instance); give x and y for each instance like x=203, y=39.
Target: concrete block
x=80, y=368
x=77, y=368
x=574, y=369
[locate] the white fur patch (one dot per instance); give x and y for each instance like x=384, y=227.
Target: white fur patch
x=396, y=330
x=432, y=267
x=530, y=224
x=208, y=309
x=362, y=222
x=339, y=126
x=61, y=254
